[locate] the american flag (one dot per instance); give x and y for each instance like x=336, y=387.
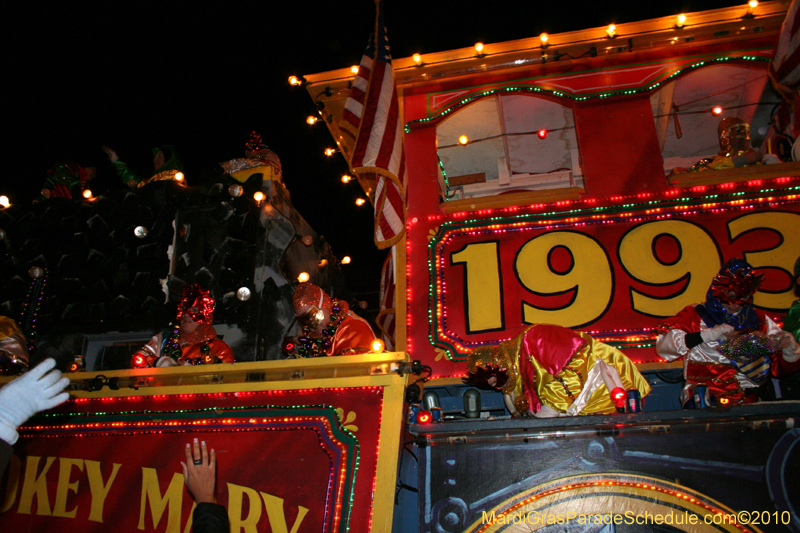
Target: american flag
x=785, y=66
x=372, y=135
x=386, y=317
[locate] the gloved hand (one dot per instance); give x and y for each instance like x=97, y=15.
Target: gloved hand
x=165, y=361
x=37, y=390
x=784, y=341
x=718, y=332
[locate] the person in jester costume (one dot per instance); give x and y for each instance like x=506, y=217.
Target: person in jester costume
x=791, y=322
x=329, y=326
x=728, y=347
x=192, y=340
x=550, y=371
x=66, y=180
x=166, y=164
x=14, y=356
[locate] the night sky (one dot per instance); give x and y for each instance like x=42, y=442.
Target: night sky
x=199, y=76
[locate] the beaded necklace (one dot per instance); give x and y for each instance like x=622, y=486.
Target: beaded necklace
x=174, y=349
x=316, y=346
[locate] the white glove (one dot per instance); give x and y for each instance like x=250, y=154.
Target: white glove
x=37, y=390
x=721, y=331
x=165, y=360
x=784, y=341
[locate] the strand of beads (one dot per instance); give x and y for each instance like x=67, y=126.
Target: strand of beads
x=173, y=347
x=31, y=306
x=316, y=346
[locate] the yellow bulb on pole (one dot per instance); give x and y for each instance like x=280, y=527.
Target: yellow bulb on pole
x=611, y=31
x=681, y=21
x=312, y=120
x=360, y=202
x=463, y=140
x=416, y=58
x=753, y=4
x=354, y=69
x=330, y=151
x=479, y=47
x=294, y=80
x=346, y=178
x=543, y=38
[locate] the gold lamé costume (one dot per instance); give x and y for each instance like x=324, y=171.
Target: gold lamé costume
x=554, y=371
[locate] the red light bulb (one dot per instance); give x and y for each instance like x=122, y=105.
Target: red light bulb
x=542, y=133
x=139, y=361
x=424, y=417
x=618, y=396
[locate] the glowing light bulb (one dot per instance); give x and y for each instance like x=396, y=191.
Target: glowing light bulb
x=295, y=80
x=258, y=196
x=346, y=178
x=354, y=69
x=308, y=240
x=360, y=202
x=611, y=31
x=346, y=260
x=416, y=58
x=4, y=201
x=479, y=47
x=311, y=120
x=753, y=4
x=243, y=294
x=330, y=151
x=681, y=20
x=377, y=346
x=542, y=133
x=179, y=176
x=140, y=232
x=303, y=277
x=87, y=194
x=424, y=417
x=716, y=110
x=543, y=38
x=463, y=140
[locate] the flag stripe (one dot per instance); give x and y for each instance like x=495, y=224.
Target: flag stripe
x=373, y=137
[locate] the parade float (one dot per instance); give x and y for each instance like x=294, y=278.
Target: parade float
x=597, y=180
x=303, y=444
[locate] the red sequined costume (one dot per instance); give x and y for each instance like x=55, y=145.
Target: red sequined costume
x=193, y=340
x=330, y=327
x=704, y=362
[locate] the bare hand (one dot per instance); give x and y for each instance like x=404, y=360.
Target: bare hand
x=112, y=155
x=200, y=478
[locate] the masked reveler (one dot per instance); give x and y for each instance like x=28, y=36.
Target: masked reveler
x=550, y=371
x=67, y=180
x=791, y=322
x=727, y=345
x=329, y=326
x=14, y=355
x=167, y=166
x=192, y=341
